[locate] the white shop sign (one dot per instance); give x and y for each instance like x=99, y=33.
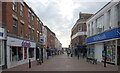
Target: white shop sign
x=2, y=33
x=17, y=42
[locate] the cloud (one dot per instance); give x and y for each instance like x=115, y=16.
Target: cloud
x=61, y=15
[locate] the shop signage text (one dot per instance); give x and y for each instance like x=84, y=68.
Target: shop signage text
x=25, y=44
x=114, y=33
x=1, y=34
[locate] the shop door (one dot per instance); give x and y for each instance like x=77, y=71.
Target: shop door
x=118, y=62
x=37, y=53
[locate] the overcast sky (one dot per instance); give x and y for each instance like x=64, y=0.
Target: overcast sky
x=61, y=15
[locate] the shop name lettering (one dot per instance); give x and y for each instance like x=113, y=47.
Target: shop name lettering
x=25, y=44
x=118, y=31
x=99, y=37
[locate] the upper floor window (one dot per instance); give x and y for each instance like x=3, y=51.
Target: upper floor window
x=33, y=20
x=14, y=5
x=37, y=36
x=88, y=30
x=92, y=28
x=29, y=33
x=118, y=8
x=80, y=28
x=32, y=34
x=22, y=10
x=109, y=15
x=29, y=15
x=37, y=25
x=22, y=30
x=80, y=40
x=14, y=26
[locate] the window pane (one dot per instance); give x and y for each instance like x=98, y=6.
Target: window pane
x=15, y=26
x=33, y=34
x=14, y=54
x=29, y=33
x=22, y=30
x=14, y=6
x=25, y=53
x=20, y=53
x=29, y=16
x=31, y=52
x=0, y=52
x=21, y=10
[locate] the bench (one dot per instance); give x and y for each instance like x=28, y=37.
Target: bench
x=38, y=61
x=92, y=60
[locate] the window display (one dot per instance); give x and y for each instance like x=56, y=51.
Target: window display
x=25, y=53
x=20, y=53
x=14, y=54
x=110, y=51
x=91, y=51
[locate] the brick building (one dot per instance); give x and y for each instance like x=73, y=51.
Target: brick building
x=24, y=29
x=78, y=33
x=2, y=41
x=50, y=39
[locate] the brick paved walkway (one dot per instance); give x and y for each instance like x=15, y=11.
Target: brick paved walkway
x=64, y=63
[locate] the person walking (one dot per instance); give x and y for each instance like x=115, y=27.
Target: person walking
x=68, y=52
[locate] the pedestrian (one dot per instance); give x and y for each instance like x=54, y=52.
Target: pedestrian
x=69, y=51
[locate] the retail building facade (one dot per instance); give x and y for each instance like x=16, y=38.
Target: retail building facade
x=78, y=34
x=103, y=30
x=24, y=29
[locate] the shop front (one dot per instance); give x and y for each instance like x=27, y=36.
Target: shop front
x=2, y=48
x=118, y=52
x=106, y=42
x=19, y=51
x=39, y=51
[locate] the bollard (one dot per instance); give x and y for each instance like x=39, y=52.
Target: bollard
x=29, y=63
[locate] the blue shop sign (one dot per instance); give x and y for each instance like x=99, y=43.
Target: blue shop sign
x=114, y=33
x=1, y=34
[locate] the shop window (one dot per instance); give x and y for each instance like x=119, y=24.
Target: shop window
x=25, y=53
x=14, y=54
x=31, y=52
x=20, y=53
x=110, y=51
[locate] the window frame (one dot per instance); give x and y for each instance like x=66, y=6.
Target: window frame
x=14, y=6
x=80, y=29
x=22, y=30
x=21, y=10
x=14, y=26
